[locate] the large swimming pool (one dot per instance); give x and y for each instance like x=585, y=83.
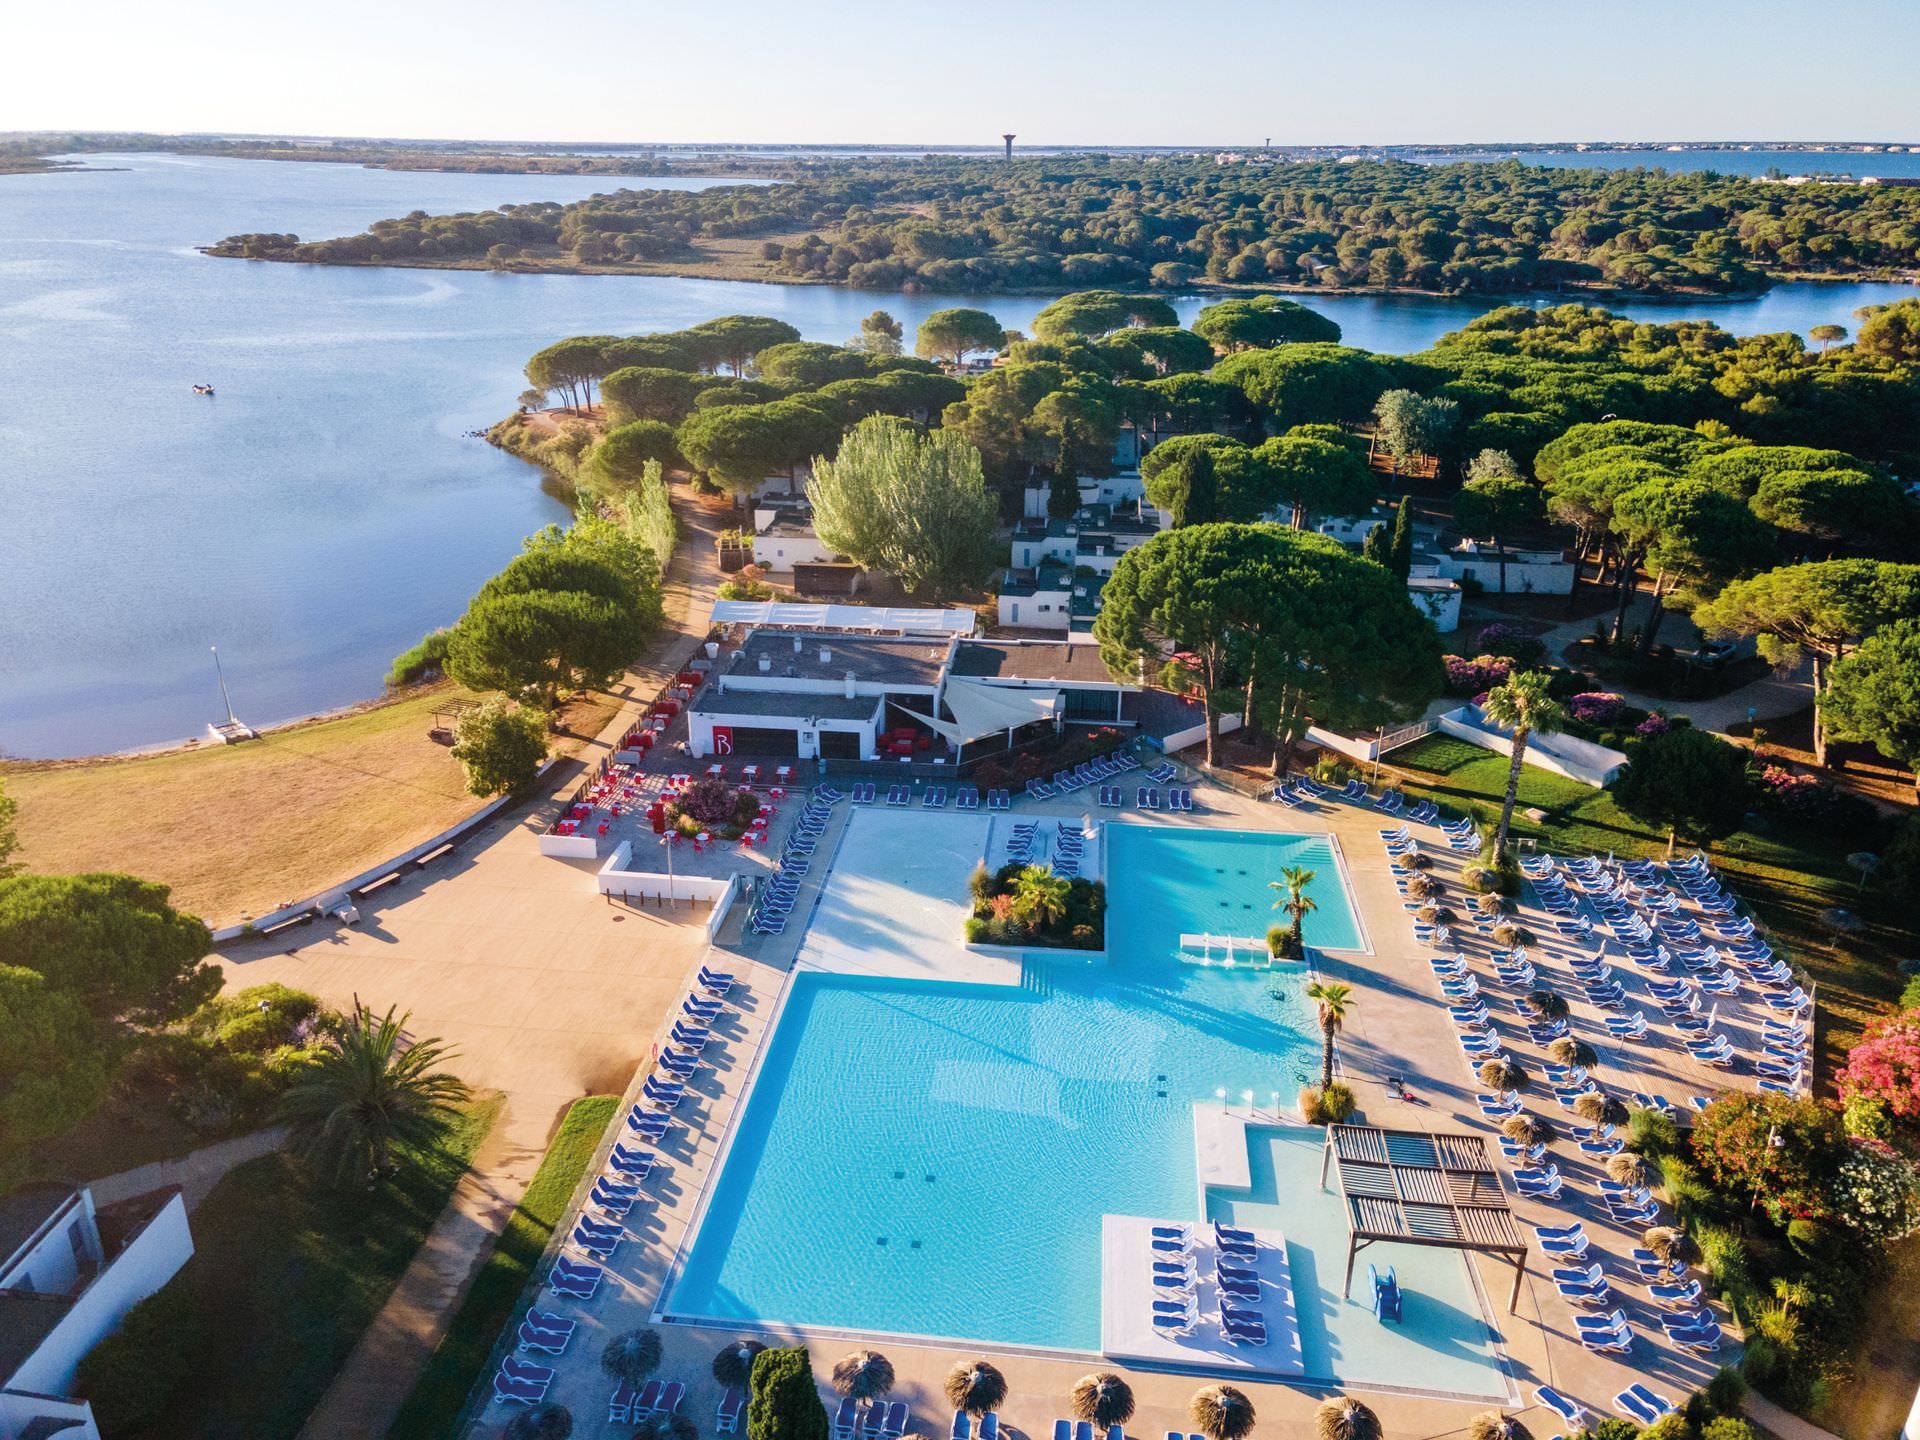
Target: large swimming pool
x=934, y=1159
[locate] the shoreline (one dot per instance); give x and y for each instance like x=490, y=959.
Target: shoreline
x=1195, y=287
x=19, y=764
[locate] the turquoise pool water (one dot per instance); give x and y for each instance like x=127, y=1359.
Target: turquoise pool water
x=933, y=1159
x=1444, y=1343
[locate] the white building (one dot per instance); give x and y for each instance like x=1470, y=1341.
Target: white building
x=1534, y=571
x=783, y=537
x=1437, y=599
x=840, y=696
x=68, y=1276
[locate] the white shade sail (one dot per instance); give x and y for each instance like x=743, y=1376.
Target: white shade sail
x=982, y=710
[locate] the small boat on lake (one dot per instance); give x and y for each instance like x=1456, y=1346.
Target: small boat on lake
x=203, y=389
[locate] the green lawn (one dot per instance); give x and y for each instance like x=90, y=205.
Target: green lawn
x=1788, y=876
x=435, y=1404
x=290, y=1271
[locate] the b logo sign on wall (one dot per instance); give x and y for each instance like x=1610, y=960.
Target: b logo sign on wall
x=723, y=739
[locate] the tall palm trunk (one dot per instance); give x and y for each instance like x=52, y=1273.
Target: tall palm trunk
x=1513, y=794
x=1326, y=1056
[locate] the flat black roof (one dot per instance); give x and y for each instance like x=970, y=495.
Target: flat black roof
x=873, y=659
x=1032, y=660
x=799, y=703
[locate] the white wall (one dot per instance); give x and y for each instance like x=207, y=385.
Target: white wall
x=783, y=552
x=570, y=847
x=1524, y=576
x=616, y=879
x=1440, y=604
x=1566, y=755
x=700, y=727
x=1197, y=734
x=156, y=1253
x=1043, y=610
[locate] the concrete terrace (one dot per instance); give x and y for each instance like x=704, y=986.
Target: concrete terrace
x=1398, y=1029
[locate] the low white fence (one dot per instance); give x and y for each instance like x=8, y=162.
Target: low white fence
x=721, y=907
x=570, y=847
x=616, y=879
x=1566, y=755
x=1194, y=734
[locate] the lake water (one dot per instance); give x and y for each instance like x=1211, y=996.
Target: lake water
x=326, y=509
x=1726, y=162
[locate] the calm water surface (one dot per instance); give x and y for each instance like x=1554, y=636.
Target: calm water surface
x=1725, y=162
x=325, y=509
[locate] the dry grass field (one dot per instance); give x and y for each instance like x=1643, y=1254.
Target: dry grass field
x=236, y=829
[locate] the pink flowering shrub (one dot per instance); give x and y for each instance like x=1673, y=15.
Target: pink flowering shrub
x=1597, y=707
x=1810, y=801
x=1512, y=643
x=1885, y=1064
x=1655, y=724
x=1471, y=677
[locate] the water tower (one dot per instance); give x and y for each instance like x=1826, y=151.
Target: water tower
x=1009, y=140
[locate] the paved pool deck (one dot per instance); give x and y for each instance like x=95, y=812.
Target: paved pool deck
x=1397, y=1028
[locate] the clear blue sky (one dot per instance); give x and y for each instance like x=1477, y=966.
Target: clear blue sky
x=901, y=71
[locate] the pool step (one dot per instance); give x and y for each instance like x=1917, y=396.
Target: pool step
x=1037, y=978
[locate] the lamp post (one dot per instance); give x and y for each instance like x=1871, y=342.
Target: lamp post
x=667, y=840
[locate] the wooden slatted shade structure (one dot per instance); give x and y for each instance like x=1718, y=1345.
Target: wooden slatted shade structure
x=1415, y=1187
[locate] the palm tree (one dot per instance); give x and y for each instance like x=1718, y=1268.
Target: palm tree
x=863, y=1374
x=975, y=1387
x=1341, y=1417
x=1104, y=1398
x=1332, y=1003
x=371, y=1091
x=632, y=1356
x=1493, y=1425
x=1221, y=1412
x=1040, y=896
x=1296, y=902
x=1524, y=707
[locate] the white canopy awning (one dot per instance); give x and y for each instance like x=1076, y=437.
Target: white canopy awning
x=981, y=710
x=792, y=616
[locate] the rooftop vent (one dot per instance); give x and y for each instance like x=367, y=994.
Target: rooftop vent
x=798, y=644
x=826, y=655
x=766, y=664
x=849, y=684
x=789, y=672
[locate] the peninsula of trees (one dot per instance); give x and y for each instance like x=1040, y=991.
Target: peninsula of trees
x=975, y=225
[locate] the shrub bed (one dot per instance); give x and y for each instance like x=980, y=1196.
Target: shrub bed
x=1008, y=909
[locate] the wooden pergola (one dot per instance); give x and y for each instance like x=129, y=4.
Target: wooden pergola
x=1415, y=1187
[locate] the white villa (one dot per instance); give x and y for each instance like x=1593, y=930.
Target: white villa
x=69, y=1273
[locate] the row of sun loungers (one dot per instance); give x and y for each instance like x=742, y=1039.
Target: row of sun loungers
x=577, y=1272
x=1091, y=772
x=883, y=1420
x=1237, y=1285
x=776, y=896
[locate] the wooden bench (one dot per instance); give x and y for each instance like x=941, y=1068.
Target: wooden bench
x=427, y=859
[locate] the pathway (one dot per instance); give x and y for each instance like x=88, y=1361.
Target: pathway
x=1782, y=1424
x=380, y=1374
x=196, y=1173
x=543, y=994
x=1768, y=698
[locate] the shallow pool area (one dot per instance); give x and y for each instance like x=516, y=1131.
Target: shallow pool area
x=1443, y=1344
x=926, y=1157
